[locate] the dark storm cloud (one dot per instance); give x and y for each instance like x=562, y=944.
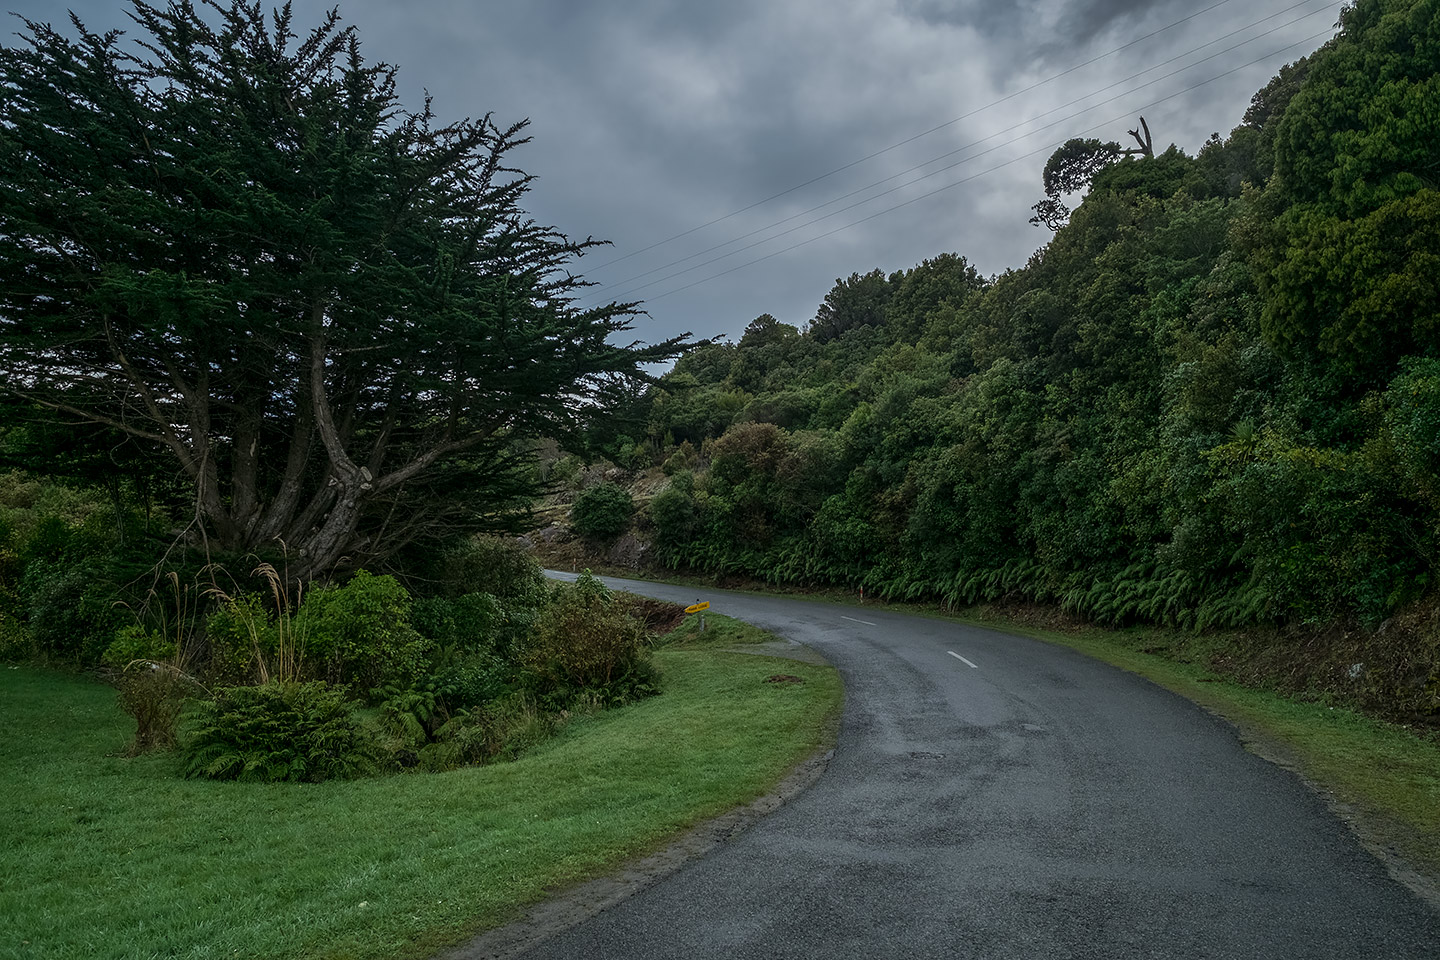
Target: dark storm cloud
x=1082, y=20
x=991, y=19
x=652, y=117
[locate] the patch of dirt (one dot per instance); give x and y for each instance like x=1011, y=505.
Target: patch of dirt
x=659, y=616
x=1037, y=616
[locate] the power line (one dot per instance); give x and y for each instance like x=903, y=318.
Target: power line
x=951, y=153
x=926, y=133
x=926, y=196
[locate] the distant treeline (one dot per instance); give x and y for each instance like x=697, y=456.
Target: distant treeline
x=1212, y=399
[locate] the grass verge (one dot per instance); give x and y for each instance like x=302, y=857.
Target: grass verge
x=720, y=631
x=114, y=857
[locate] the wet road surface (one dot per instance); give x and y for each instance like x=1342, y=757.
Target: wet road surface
x=994, y=796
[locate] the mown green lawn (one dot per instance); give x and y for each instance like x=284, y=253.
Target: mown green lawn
x=112, y=857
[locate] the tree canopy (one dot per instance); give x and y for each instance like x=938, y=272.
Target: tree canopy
x=1213, y=398
x=230, y=242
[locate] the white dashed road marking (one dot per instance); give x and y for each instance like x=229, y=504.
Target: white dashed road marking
x=962, y=659
x=853, y=620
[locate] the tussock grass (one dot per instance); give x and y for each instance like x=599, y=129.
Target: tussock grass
x=113, y=857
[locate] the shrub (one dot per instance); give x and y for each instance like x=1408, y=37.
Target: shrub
x=136, y=643
x=475, y=679
x=674, y=513
x=245, y=643
x=154, y=693
x=360, y=634
x=303, y=732
x=70, y=606
x=585, y=646
x=684, y=458
x=469, y=622
x=500, y=730
x=602, y=512
x=493, y=565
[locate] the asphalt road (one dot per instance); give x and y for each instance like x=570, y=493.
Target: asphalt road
x=993, y=796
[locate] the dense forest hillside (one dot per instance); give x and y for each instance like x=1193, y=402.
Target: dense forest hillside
x=1213, y=398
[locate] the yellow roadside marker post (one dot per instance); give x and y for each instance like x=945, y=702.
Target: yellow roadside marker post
x=699, y=606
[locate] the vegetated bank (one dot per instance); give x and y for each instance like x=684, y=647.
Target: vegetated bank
x=1206, y=414
x=108, y=856
x=1210, y=402
x=249, y=496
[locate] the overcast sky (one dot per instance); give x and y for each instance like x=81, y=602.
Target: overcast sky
x=651, y=118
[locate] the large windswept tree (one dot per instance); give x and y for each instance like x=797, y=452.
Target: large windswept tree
x=231, y=242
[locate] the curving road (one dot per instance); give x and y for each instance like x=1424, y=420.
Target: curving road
x=993, y=796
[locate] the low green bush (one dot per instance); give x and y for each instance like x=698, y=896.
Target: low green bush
x=133, y=643
x=500, y=730
x=602, y=512
x=244, y=642
x=70, y=608
x=360, y=634
x=497, y=566
x=474, y=679
x=685, y=457
x=586, y=647
x=302, y=732
x=469, y=622
x=674, y=512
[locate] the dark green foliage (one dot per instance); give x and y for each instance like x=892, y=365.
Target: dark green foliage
x=586, y=647
x=475, y=678
x=856, y=302
x=360, y=634
x=602, y=512
x=1070, y=169
x=66, y=592
x=502, y=729
x=684, y=458
x=468, y=622
x=330, y=316
x=243, y=640
x=300, y=732
x=1210, y=400
x=70, y=607
x=673, y=512
x=1349, y=265
x=75, y=565
x=498, y=566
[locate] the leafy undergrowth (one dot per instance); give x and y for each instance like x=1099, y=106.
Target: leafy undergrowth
x=114, y=857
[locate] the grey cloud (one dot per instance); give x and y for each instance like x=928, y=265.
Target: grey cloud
x=654, y=116
x=1084, y=19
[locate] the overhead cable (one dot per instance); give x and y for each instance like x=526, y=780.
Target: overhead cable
x=628, y=290
x=908, y=140
x=829, y=233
